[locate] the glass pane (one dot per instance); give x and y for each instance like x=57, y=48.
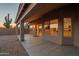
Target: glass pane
x=40, y=30
x=47, y=27
x=67, y=27
x=54, y=27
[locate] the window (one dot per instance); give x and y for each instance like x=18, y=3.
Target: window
x=47, y=27
x=19, y=26
x=32, y=26
x=40, y=29
x=40, y=26
x=54, y=27
x=67, y=27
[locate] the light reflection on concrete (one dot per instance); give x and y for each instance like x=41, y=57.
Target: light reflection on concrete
x=36, y=46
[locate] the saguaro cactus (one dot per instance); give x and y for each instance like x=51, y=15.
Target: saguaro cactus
x=7, y=21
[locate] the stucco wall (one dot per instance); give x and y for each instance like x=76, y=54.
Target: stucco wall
x=71, y=11
x=67, y=11
x=52, y=39
x=76, y=30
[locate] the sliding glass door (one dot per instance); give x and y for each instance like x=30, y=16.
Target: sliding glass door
x=67, y=32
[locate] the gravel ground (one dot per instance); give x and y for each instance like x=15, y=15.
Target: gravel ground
x=11, y=46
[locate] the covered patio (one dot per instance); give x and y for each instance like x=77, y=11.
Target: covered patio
x=51, y=28
x=36, y=46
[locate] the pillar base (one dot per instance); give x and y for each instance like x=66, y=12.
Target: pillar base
x=36, y=36
x=22, y=40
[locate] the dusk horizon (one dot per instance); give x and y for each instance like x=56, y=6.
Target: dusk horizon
x=6, y=8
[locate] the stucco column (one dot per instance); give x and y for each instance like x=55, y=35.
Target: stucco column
x=42, y=28
x=60, y=30
x=17, y=31
x=76, y=30
x=21, y=31
x=35, y=34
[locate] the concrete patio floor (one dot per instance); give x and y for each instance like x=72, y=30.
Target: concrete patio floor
x=36, y=46
x=10, y=46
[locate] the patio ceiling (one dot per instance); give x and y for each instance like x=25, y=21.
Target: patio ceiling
x=41, y=9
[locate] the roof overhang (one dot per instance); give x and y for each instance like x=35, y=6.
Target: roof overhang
x=35, y=11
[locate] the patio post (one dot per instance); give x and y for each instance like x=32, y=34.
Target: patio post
x=21, y=31
x=42, y=28
x=75, y=29
x=60, y=30
x=35, y=34
x=17, y=31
